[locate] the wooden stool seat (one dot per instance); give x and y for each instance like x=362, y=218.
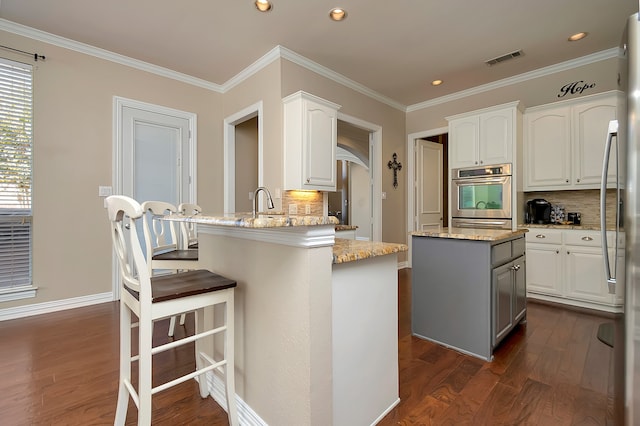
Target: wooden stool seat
x=184, y=284
x=186, y=255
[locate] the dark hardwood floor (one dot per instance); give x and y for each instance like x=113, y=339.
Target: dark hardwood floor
x=62, y=369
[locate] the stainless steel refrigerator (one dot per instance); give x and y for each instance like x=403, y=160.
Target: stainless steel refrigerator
x=623, y=142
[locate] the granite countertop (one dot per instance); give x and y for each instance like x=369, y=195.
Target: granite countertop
x=347, y=250
x=562, y=226
x=246, y=220
x=477, y=234
x=346, y=227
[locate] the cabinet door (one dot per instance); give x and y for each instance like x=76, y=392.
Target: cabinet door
x=547, y=149
x=502, y=290
x=519, y=288
x=590, y=121
x=544, y=269
x=585, y=274
x=496, y=137
x=319, y=146
x=463, y=142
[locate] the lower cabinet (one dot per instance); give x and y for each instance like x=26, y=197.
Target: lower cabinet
x=469, y=308
x=567, y=266
x=509, y=293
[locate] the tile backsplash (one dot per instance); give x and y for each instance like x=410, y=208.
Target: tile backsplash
x=586, y=201
x=302, y=199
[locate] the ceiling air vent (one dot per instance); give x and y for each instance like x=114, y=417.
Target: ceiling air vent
x=503, y=58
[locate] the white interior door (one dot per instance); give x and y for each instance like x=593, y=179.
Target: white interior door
x=154, y=155
x=154, y=150
x=429, y=211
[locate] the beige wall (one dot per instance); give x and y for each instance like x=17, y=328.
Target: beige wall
x=246, y=155
x=73, y=110
x=264, y=86
x=392, y=121
x=539, y=91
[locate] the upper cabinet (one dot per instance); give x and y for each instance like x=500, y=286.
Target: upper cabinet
x=564, y=143
x=310, y=141
x=483, y=137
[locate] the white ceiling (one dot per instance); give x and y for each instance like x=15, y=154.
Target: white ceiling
x=393, y=47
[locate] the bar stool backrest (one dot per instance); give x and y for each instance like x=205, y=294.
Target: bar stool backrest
x=123, y=213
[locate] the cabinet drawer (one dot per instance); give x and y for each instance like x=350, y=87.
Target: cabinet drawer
x=583, y=238
x=518, y=247
x=543, y=236
x=500, y=253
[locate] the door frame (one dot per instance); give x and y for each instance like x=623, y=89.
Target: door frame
x=411, y=176
x=119, y=103
x=375, y=170
x=230, y=123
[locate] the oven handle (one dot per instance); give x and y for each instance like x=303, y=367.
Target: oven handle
x=460, y=223
x=488, y=180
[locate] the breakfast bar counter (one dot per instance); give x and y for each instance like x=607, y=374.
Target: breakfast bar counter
x=309, y=309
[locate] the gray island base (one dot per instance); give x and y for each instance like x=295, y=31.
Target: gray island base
x=468, y=288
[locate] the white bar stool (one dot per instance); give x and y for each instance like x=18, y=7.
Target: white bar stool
x=153, y=298
x=163, y=248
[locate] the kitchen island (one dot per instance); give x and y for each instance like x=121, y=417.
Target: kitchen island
x=316, y=319
x=468, y=287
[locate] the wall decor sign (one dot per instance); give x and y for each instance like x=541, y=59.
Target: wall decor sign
x=396, y=167
x=576, y=87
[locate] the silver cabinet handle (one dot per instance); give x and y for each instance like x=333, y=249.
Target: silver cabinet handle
x=587, y=239
x=541, y=236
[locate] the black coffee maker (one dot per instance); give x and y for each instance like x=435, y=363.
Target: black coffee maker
x=538, y=211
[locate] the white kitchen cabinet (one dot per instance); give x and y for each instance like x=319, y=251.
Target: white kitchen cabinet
x=564, y=143
x=483, y=137
x=547, y=148
x=566, y=266
x=310, y=141
x=543, y=249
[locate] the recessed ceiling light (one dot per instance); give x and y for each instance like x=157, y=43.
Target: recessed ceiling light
x=578, y=36
x=263, y=5
x=337, y=14
x=436, y=82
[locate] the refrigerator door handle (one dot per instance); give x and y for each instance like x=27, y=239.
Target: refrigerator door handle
x=611, y=278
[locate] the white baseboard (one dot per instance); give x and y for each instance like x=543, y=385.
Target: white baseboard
x=246, y=416
x=54, y=306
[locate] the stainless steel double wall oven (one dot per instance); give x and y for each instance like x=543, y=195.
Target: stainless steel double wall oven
x=481, y=197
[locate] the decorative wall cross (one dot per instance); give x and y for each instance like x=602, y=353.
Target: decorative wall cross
x=396, y=167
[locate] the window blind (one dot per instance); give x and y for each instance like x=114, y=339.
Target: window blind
x=16, y=131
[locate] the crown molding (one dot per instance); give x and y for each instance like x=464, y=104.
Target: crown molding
x=86, y=49
x=541, y=72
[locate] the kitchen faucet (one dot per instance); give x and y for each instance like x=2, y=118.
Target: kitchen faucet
x=255, y=199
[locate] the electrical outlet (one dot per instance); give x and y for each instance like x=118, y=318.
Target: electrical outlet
x=384, y=195
x=293, y=209
x=307, y=209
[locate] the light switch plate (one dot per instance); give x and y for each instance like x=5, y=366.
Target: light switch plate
x=293, y=209
x=104, y=191
x=384, y=195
